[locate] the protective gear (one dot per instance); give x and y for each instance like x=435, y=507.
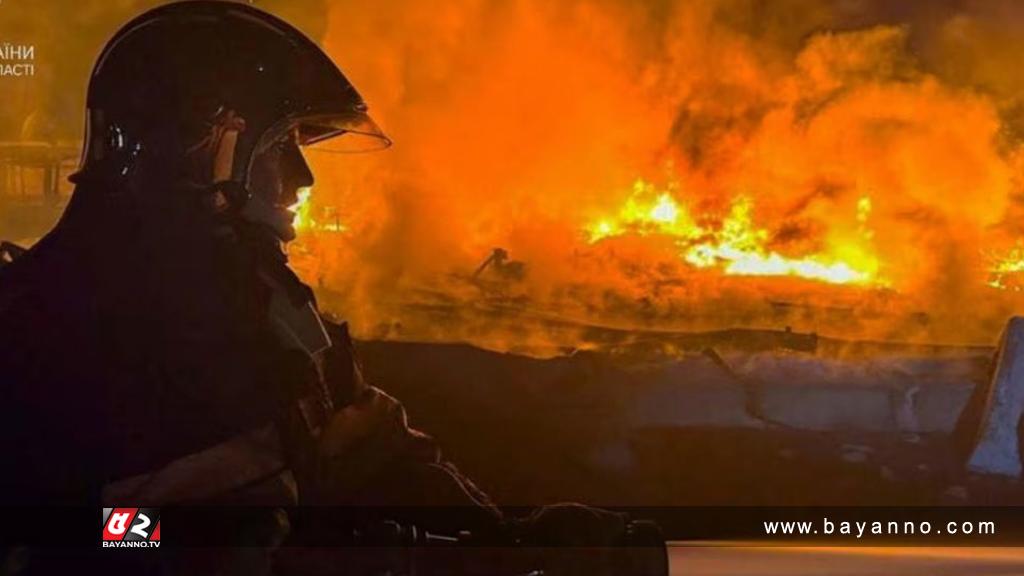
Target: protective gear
x=176, y=86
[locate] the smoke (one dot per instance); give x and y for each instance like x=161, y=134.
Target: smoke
x=517, y=123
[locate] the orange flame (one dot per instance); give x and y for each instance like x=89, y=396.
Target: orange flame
x=307, y=219
x=734, y=243
x=1007, y=272
x=823, y=174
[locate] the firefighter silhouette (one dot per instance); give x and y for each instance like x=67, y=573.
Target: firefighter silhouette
x=155, y=347
x=157, y=344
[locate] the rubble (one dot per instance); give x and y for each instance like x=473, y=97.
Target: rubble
x=892, y=394
x=614, y=429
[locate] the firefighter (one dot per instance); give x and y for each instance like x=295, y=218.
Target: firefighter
x=155, y=347
x=156, y=344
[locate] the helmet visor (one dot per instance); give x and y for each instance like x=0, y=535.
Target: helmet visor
x=338, y=133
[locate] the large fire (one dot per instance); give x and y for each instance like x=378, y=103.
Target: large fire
x=854, y=168
x=840, y=167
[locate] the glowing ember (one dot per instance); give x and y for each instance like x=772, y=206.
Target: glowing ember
x=1006, y=272
x=735, y=244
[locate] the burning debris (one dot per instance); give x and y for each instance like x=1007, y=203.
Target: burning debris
x=813, y=161
x=1007, y=271
x=498, y=264
x=735, y=244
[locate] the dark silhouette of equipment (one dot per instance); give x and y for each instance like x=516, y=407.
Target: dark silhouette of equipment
x=500, y=265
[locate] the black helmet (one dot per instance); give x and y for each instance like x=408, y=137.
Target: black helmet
x=169, y=75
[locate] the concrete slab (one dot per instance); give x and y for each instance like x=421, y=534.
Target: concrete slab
x=995, y=410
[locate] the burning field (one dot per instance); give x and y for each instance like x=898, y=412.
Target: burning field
x=847, y=168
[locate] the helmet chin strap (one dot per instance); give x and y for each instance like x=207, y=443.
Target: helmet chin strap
x=226, y=194
x=297, y=324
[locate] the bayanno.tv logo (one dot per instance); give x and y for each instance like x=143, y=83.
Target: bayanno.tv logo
x=131, y=528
